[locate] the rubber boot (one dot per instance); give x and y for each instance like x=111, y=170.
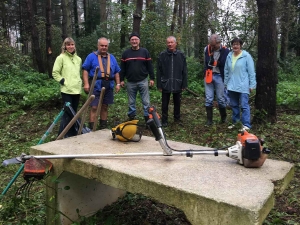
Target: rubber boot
x=91, y=125
x=103, y=124
x=209, y=114
x=223, y=115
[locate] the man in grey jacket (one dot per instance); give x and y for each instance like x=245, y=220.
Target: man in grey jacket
x=171, y=78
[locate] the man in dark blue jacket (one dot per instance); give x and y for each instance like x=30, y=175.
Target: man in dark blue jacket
x=171, y=78
x=215, y=58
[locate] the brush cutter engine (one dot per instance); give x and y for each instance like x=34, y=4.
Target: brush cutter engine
x=127, y=131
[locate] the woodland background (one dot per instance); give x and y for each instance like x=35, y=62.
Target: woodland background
x=31, y=35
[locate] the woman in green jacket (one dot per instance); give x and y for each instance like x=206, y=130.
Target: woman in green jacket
x=67, y=71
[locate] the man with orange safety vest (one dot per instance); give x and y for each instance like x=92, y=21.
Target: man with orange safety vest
x=215, y=57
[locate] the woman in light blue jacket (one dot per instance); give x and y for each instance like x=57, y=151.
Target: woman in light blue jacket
x=240, y=80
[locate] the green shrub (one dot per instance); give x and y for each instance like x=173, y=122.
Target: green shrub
x=27, y=89
x=288, y=94
x=289, y=70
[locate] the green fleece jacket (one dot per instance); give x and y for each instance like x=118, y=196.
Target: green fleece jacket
x=68, y=67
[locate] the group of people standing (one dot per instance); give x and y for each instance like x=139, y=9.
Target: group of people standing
x=229, y=73
x=234, y=71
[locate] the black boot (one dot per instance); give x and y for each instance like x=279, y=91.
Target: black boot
x=209, y=114
x=103, y=124
x=223, y=115
x=91, y=125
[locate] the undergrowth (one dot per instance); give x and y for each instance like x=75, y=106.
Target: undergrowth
x=29, y=102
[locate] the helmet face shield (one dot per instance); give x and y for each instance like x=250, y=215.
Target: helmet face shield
x=128, y=131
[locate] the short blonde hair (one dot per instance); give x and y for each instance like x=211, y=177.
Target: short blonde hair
x=68, y=40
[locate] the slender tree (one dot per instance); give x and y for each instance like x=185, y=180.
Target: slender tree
x=175, y=9
x=285, y=24
x=4, y=20
x=75, y=7
x=201, y=27
x=35, y=36
x=266, y=66
x=150, y=5
x=49, y=38
x=66, y=19
x=124, y=28
x=137, y=16
x=103, y=16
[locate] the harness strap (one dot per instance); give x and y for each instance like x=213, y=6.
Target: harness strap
x=104, y=74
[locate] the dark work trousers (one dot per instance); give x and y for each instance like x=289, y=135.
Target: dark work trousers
x=165, y=105
x=68, y=116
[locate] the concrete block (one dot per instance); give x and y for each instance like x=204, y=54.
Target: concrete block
x=210, y=190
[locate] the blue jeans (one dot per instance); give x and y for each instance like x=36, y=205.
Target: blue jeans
x=132, y=89
x=237, y=101
x=218, y=84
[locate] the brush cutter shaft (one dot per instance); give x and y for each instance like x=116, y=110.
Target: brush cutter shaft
x=117, y=155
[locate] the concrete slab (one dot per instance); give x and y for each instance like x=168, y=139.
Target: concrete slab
x=210, y=190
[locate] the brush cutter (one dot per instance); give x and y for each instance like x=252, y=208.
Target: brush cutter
x=248, y=150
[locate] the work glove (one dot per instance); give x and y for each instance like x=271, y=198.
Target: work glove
x=62, y=81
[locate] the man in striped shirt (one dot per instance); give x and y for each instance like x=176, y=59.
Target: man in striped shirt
x=136, y=65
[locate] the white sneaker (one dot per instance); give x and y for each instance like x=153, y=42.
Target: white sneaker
x=231, y=126
x=245, y=128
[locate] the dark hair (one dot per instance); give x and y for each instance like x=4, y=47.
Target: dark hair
x=236, y=39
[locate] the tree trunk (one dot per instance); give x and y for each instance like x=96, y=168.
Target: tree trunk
x=124, y=30
x=150, y=5
x=103, y=16
x=76, y=18
x=266, y=66
x=201, y=28
x=35, y=36
x=49, y=38
x=174, y=16
x=137, y=16
x=285, y=28
x=180, y=8
x=4, y=20
x=66, y=19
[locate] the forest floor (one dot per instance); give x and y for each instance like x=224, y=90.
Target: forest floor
x=21, y=128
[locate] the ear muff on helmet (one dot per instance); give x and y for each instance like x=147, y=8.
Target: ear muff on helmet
x=127, y=131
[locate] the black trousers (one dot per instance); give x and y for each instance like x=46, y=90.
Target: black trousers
x=68, y=116
x=165, y=105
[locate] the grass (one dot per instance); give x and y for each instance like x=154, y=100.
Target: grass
x=21, y=128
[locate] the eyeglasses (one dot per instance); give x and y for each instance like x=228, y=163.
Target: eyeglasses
x=134, y=39
x=235, y=44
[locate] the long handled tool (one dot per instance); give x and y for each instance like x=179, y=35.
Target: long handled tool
x=18, y=160
x=49, y=130
x=248, y=150
x=99, y=107
x=90, y=93
x=75, y=118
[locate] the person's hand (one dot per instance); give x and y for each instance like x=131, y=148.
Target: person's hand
x=122, y=83
x=250, y=89
x=151, y=83
x=86, y=88
x=118, y=87
x=160, y=90
x=62, y=81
